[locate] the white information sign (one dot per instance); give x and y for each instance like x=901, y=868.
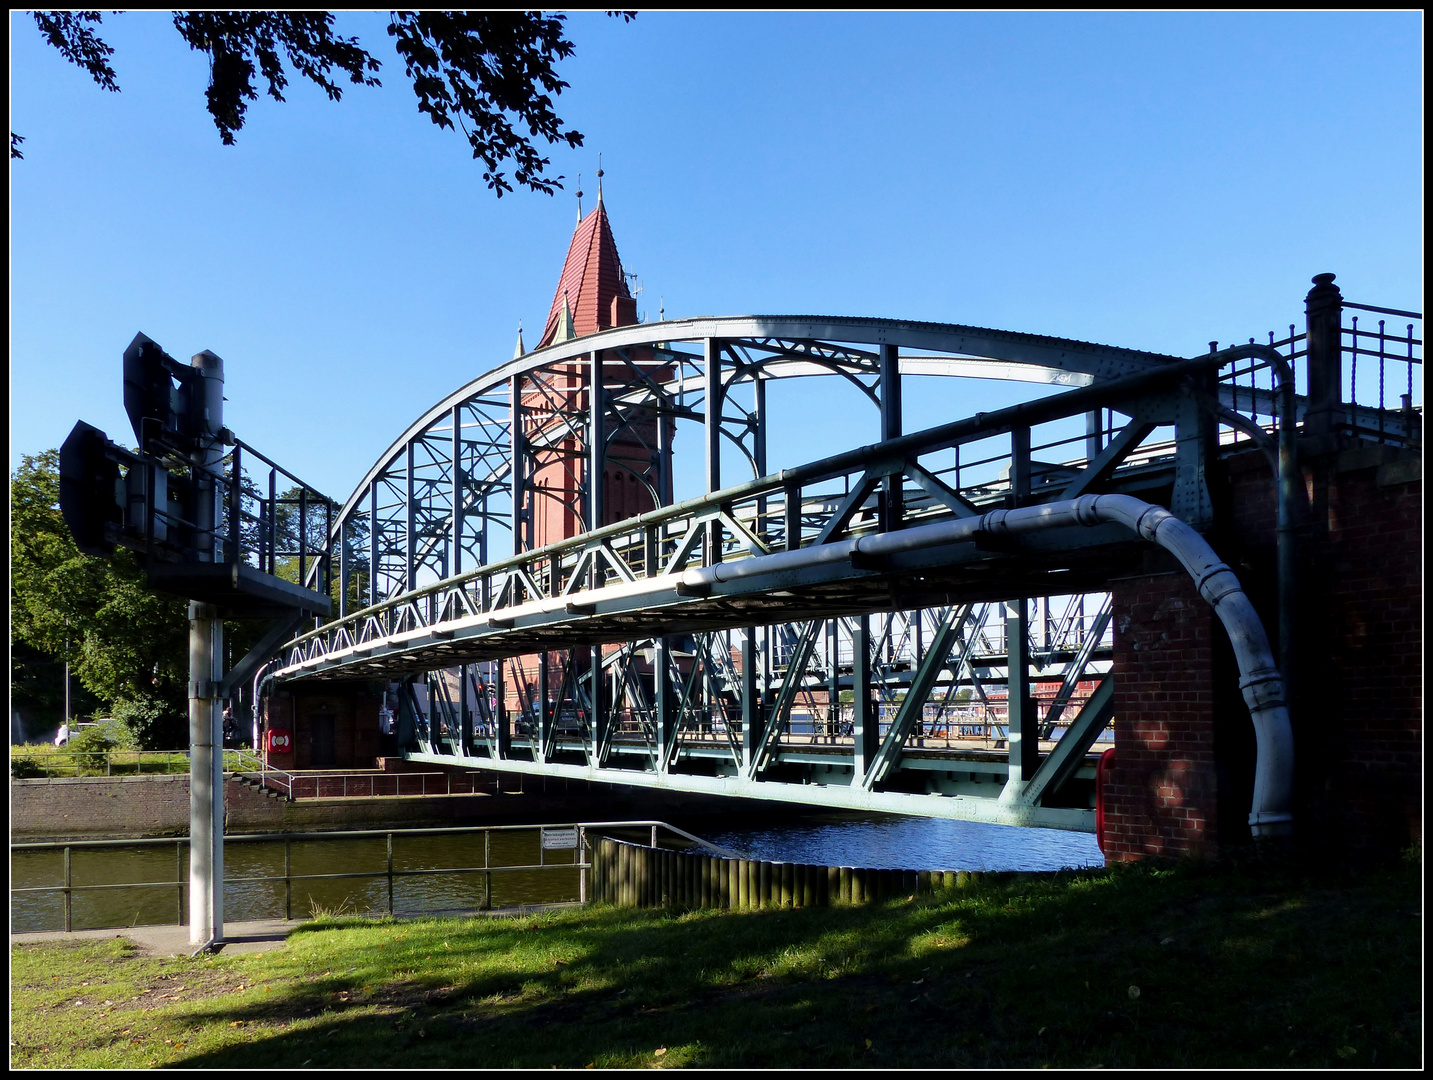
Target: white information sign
x=559, y=839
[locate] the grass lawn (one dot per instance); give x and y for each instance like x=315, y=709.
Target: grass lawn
x=1189, y=966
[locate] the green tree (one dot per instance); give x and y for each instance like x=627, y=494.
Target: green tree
x=490, y=73
x=127, y=646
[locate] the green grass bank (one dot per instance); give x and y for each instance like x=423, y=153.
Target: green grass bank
x=1186, y=966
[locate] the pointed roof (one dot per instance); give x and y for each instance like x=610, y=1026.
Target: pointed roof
x=591, y=279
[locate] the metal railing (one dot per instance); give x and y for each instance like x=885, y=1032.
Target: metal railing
x=1388, y=354
x=349, y=783
x=576, y=837
x=247, y=765
x=90, y=764
x=379, y=784
x=551, y=584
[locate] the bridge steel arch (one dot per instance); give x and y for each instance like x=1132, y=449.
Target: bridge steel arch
x=432, y=502
x=438, y=574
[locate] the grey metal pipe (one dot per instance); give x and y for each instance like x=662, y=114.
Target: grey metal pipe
x=1260, y=681
x=1288, y=495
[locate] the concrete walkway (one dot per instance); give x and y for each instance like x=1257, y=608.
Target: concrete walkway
x=173, y=940
x=239, y=937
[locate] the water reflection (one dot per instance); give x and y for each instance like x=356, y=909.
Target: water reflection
x=912, y=843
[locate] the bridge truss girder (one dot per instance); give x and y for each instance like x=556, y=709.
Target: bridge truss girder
x=440, y=596
x=723, y=711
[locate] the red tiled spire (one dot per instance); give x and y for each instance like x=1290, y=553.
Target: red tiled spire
x=592, y=282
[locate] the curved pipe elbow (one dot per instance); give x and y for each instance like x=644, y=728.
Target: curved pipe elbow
x=1259, y=678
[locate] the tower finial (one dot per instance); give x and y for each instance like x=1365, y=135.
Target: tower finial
x=520, y=350
x=579, y=198
x=599, y=176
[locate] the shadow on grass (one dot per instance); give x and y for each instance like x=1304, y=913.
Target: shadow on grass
x=1140, y=967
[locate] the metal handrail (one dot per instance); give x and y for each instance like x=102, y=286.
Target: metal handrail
x=563, y=558
x=240, y=763
x=580, y=863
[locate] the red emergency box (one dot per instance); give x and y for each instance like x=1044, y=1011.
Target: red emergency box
x=278, y=741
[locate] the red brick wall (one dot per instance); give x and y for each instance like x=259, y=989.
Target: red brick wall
x=1161, y=797
x=1182, y=782
x=1359, y=718
x=127, y=806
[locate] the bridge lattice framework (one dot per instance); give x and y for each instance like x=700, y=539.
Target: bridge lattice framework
x=661, y=662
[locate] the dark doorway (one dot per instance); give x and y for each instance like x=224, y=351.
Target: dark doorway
x=323, y=754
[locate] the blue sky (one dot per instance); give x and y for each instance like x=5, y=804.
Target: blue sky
x=1148, y=180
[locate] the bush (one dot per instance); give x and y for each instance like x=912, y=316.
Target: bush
x=90, y=747
x=119, y=731
x=23, y=768
x=152, y=724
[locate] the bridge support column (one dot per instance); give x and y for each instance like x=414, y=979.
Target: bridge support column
x=465, y=714
x=751, y=712
x=501, y=719
x=1023, y=728
x=599, y=708
x=545, y=712
x=665, y=701
x=865, y=717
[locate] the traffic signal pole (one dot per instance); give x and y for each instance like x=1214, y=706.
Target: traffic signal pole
x=206, y=779
x=110, y=495
x=206, y=657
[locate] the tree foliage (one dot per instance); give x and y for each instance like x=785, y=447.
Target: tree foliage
x=490, y=73
x=123, y=642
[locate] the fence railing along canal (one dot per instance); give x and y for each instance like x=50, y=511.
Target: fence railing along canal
x=625, y=863
x=522, y=853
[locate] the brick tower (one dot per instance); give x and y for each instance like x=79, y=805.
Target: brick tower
x=591, y=296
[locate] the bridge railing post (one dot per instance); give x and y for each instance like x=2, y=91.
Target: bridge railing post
x=1323, y=310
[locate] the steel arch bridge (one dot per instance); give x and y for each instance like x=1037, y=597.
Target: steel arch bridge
x=836, y=634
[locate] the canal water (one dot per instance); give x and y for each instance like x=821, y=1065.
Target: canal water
x=874, y=841
x=883, y=841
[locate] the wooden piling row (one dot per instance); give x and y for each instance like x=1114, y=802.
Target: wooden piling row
x=628, y=875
